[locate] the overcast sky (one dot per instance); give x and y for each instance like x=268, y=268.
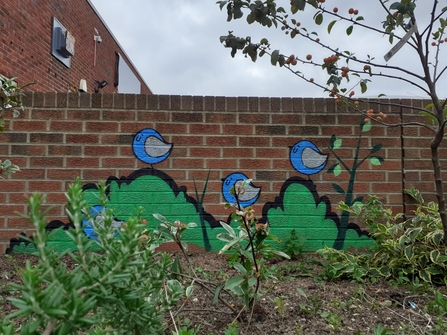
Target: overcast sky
x=175, y=46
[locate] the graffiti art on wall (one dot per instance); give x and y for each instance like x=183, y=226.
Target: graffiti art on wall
x=306, y=158
x=251, y=192
x=298, y=206
x=337, y=169
x=150, y=147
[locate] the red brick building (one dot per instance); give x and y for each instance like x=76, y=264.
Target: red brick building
x=62, y=44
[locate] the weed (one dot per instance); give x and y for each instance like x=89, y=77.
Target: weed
x=233, y=329
x=379, y=330
x=293, y=245
x=334, y=320
x=280, y=306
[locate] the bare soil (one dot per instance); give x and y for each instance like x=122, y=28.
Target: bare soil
x=299, y=301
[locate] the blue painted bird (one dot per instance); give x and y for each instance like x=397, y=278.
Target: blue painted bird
x=306, y=158
x=150, y=147
x=248, y=197
x=98, y=219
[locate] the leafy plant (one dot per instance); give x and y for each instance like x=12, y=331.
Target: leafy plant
x=334, y=320
x=293, y=245
x=249, y=246
x=411, y=249
x=233, y=329
x=125, y=288
x=380, y=330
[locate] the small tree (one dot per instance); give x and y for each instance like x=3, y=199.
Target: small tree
x=399, y=25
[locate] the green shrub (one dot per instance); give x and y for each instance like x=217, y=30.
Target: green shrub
x=124, y=288
x=410, y=249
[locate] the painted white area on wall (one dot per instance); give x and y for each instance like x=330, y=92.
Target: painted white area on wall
x=127, y=81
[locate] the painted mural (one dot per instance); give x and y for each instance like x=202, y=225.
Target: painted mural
x=298, y=206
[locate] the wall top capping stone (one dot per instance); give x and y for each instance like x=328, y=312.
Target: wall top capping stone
x=200, y=103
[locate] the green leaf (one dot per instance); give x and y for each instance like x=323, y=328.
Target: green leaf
x=438, y=237
x=233, y=282
x=412, y=234
x=300, y=291
x=337, y=143
x=280, y=253
x=430, y=116
x=408, y=252
x=228, y=228
x=366, y=127
x=337, y=170
x=301, y=4
x=425, y=275
x=349, y=30
x=216, y=293
x=319, y=19
x=330, y=26
x=331, y=169
x=376, y=148
x=360, y=18
x=274, y=57
x=434, y=255
x=376, y=160
x=159, y=217
x=251, y=18
x=363, y=86
x=240, y=268
x=338, y=188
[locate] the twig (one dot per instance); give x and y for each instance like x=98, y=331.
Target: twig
x=205, y=310
x=251, y=315
x=170, y=312
x=238, y=314
x=200, y=282
x=49, y=327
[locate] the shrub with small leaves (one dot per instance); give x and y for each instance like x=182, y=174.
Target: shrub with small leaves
x=124, y=288
x=413, y=249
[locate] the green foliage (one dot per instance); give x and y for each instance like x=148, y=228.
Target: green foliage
x=293, y=245
x=380, y=330
x=413, y=249
x=233, y=329
x=125, y=288
x=6, y=167
x=250, y=249
x=438, y=306
x=10, y=99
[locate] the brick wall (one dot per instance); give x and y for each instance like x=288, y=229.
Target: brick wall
x=61, y=136
x=25, y=30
